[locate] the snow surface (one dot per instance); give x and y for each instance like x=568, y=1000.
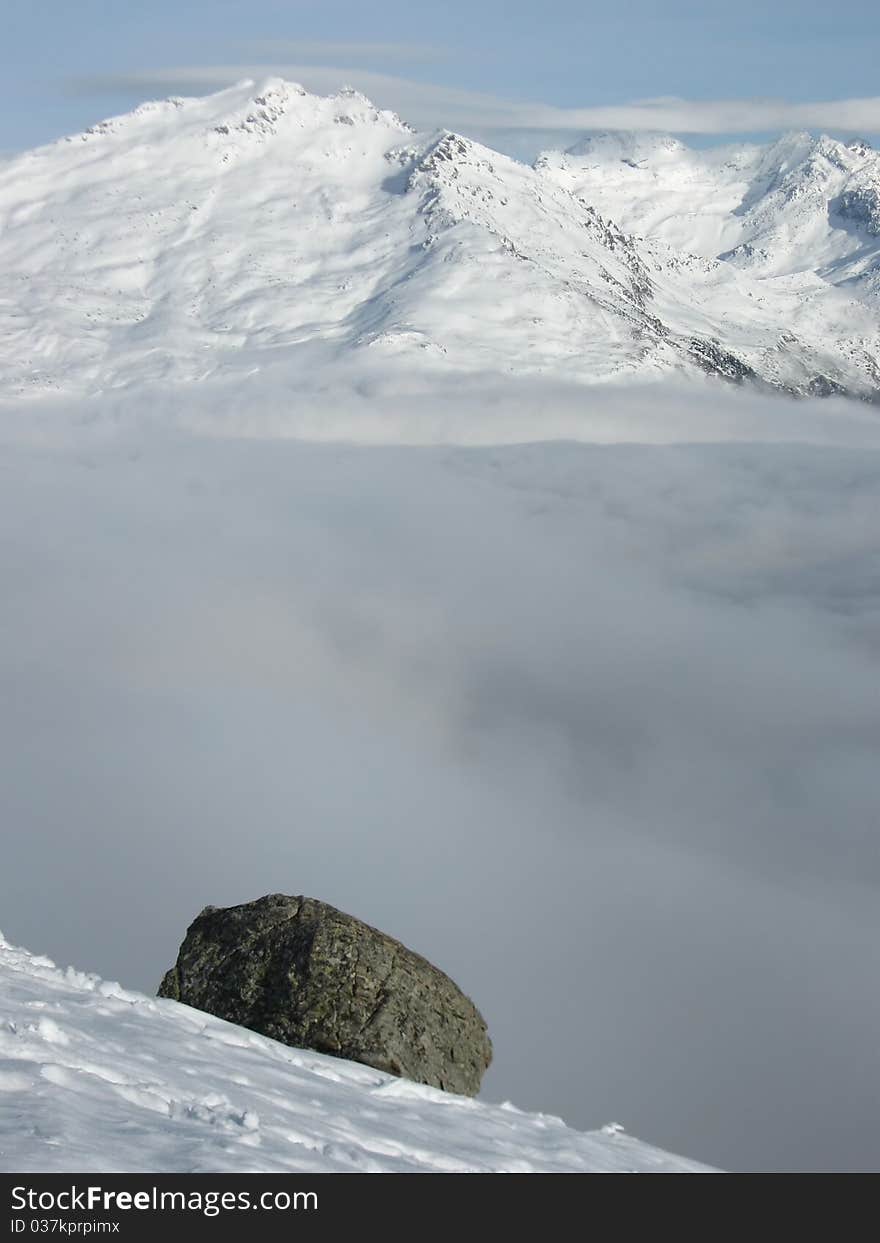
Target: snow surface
x=195, y=237
x=96, y=1078
x=801, y=205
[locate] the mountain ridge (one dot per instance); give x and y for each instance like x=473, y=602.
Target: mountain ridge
x=801, y=203
x=194, y=237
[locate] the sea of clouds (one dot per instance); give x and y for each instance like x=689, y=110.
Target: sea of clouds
x=574, y=691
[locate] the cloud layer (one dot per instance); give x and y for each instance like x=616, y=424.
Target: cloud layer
x=428, y=105
x=592, y=726
x=338, y=52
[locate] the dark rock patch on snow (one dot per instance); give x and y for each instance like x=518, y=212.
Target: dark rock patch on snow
x=304, y=973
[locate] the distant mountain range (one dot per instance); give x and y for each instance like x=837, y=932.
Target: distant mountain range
x=198, y=236
x=798, y=206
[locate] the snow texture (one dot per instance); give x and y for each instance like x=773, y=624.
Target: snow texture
x=96, y=1078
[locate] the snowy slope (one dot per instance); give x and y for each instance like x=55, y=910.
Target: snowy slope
x=93, y=1077
x=799, y=205
x=267, y=227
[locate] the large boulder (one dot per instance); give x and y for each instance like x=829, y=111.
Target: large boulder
x=310, y=976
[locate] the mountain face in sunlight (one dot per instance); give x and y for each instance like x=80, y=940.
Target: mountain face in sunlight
x=200, y=237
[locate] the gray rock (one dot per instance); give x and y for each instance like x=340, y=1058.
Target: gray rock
x=310, y=976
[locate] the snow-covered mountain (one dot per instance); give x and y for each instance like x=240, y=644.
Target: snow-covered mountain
x=96, y=1078
x=200, y=237
x=800, y=205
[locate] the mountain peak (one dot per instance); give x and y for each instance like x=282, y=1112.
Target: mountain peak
x=627, y=145
x=260, y=108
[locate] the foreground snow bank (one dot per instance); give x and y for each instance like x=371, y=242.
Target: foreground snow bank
x=93, y=1077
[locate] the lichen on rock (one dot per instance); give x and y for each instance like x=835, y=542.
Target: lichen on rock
x=308, y=975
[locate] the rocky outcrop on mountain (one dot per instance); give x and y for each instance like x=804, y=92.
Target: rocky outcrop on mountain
x=304, y=973
x=862, y=206
x=718, y=362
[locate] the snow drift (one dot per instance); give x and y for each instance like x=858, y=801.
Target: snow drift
x=96, y=1078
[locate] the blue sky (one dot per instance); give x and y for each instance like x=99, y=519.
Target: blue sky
x=66, y=63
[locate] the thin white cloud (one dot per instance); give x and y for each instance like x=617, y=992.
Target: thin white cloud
x=729, y=116
x=428, y=104
x=355, y=53
x=421, y=103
